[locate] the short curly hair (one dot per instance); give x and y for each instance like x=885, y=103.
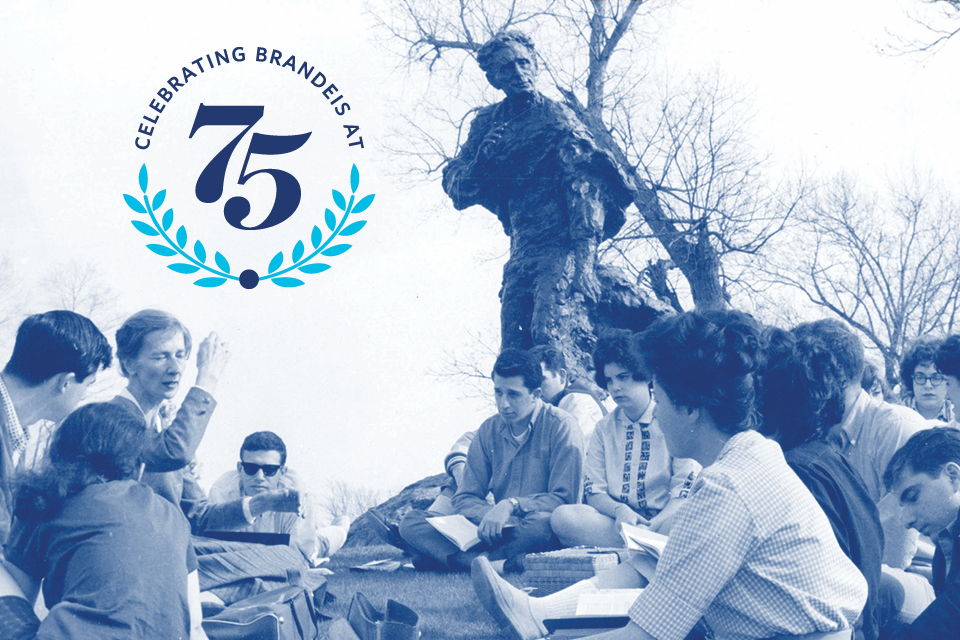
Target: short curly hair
x=921, y=351
x=613, y=347
x=501, y=40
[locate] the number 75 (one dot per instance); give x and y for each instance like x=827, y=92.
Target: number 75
x=210, y=183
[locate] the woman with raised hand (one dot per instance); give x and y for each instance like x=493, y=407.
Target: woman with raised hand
x=114, y=558
x=153, y=348
x=750, y=551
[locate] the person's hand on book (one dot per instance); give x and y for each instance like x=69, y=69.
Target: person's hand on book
x=624, y=513
x=491, y=527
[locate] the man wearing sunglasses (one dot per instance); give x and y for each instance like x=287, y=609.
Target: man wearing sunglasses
x=271, y=500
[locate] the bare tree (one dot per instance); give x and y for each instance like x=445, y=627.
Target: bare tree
x=345, y=499
x=688, y=201
x=81, y=287
x=889, y=264
x=937, y=21
x=11, y=300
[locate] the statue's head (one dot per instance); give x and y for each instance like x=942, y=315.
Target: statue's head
x=510, y=62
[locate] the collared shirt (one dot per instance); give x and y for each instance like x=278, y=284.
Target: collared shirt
x=542, y=473
x=752, y=553
x=946, y=540
x=629, y=461
x=19, y=436
x=871, y=433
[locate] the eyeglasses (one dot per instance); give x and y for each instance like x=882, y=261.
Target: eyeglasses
x=251, y=469
x=935, y=380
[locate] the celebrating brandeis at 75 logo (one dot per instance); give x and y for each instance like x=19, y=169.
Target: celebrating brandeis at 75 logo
x=261, y=160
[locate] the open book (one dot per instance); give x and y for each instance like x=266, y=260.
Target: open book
x=458, y=530
x=642, y=539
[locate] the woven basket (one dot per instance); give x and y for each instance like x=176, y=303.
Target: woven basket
x=552, y=571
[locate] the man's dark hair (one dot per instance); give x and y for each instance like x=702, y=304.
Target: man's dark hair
x=801, y=389
x=926, y=451
x=613, y=347
x=136, y=328
x=57, y=342
x=948, y=356
x=921, y=351
x=517, y=362
x=488, y=51
x=550, y=357
x=842, y=341
x=265, y=441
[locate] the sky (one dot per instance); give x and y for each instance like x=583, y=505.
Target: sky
x=342, y=367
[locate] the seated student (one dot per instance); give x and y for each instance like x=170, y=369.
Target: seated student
x=528, y=456
x=114, y=558
x=629, y=474
x=750, y=551
x=802, y=398
x=558, y=389
x=569, y=394
x=55, y=359
x=924, y=474
x=921, y=383
x=948, y=364
x=262, y=478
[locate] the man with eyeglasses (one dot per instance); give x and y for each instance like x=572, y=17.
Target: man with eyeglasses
x=271, y=501
x=948, y=364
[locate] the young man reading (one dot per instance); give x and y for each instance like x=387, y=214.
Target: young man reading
x=528, y=456
x=925, y=476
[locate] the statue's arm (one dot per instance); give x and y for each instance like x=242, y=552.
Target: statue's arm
x=464, y=177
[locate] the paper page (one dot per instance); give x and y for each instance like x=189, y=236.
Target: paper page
x=457, y=529
x=642, y=539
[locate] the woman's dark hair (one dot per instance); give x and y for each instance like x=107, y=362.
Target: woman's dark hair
x=136, y=328
x=921, y=351
x=613, y=347
x=97, y=443
x=707, y=360
x=801, y=388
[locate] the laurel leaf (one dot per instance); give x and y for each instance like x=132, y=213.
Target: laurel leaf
x=145, y=228
x=221, y=262
x=161, y=250
x=143, y=178
x=340, y=200
x=167, y=219
x=331, y=219
x=316, y=267
x=363, y=204
x=134, y=204
x=275, y=263
x=182, y=236
x=286, y=282
x=336, y=250
x=353, y=227
x=210, y=282
x=297, y=251
x=354, y=179
x=199, y=251
x=158, y=199
x=183, y=267
x=316, y=237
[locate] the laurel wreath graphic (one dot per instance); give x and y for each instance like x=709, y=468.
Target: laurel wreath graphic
x=248, y=279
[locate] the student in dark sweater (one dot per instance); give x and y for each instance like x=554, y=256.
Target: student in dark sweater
x=801, y=398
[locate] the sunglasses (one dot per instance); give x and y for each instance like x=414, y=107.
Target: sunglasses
x=251, y=469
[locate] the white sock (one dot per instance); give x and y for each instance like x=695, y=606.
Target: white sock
x=562, y=604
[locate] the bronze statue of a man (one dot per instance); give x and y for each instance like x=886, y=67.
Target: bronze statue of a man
x=533, y=163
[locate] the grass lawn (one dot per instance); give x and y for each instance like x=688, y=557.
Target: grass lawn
x=448, y=608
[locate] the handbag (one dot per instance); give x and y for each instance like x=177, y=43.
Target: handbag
x=286, y=613
x=399, y=622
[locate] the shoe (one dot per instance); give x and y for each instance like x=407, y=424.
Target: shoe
x=388, y=532
x=507, y=604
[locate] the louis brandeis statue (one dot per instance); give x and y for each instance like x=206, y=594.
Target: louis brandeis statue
x=533, y=162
